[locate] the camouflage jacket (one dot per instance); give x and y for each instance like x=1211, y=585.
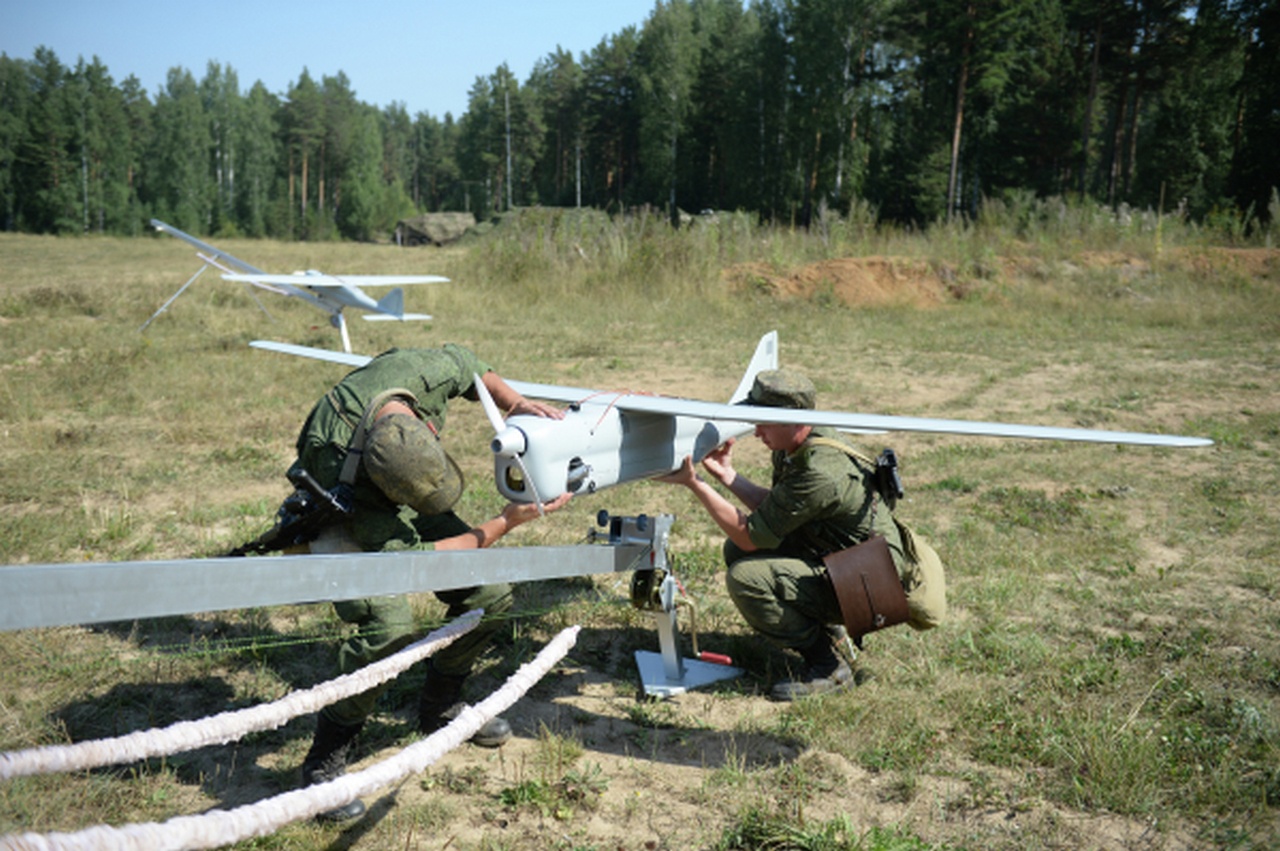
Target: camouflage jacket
x=434, y=376
x=821, y=501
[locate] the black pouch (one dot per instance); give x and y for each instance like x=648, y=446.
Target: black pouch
x=888, y=482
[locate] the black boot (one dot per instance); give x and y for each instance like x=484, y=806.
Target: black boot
x=327, y=760
x=824, y=671
x=440, y=701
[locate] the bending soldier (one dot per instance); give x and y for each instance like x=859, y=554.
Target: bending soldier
x=377, y=434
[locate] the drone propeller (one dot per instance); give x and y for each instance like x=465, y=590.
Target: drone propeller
x=508, y=441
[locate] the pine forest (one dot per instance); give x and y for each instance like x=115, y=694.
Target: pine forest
x=904, y=111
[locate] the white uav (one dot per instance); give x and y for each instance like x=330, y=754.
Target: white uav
x=330, y=293
x=608, y=438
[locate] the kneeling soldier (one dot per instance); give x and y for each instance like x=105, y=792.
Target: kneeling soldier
x=823, y=499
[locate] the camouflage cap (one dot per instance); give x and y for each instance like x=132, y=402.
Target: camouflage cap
x=782, y=388
x=406, y=461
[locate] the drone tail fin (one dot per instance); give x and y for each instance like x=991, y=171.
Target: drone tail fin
x=392, y=303
x=766, y=357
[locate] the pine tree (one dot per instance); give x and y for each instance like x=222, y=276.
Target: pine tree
x=15, y=123
x=179, y=184
x=667, y=60
x=257, y=159
x=48, y=162
x=611, y=119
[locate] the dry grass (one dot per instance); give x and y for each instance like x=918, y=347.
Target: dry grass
x=1109, y=677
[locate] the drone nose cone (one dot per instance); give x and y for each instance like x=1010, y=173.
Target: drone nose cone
x=508, y=443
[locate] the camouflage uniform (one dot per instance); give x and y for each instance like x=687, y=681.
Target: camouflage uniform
x=385, y=624
x=820, y=501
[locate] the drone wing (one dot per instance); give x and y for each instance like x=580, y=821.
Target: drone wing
x=345, y=358
x=386, y=317
x=210, y=251
x=316, y=279
x=874, y=423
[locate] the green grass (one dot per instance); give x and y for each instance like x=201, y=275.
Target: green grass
x=1110, y=666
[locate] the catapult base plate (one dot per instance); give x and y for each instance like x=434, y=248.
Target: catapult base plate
x=653, y=674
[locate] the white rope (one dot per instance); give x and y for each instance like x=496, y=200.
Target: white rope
x=223, y=827
x=232, y=725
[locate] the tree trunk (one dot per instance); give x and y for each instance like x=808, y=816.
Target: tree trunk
x=1088, y=110
x=1117, y=141
x=961, y=84
x=1131, y=165
x=811, y=181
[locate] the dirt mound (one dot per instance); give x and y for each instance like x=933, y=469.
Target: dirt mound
x=1255, y=263
x=855, y=281
x=899, y=281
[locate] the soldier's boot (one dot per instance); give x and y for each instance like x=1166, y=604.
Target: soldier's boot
x=842, y=643
x=440, y=701
x=327, y=760
x=824, y=671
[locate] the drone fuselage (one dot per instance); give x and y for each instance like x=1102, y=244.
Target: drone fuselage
x=598, y=445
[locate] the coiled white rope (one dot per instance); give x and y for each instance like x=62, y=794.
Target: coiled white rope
x=232, y=725
x=222, y=827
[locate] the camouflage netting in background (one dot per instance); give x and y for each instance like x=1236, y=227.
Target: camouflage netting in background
x=433, y=228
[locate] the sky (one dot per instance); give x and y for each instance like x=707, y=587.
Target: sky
x=422, y=53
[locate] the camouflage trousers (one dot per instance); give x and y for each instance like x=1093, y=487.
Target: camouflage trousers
x=785, y=599
x=385, y=625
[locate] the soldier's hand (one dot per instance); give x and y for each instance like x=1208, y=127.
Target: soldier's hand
x=685, y=474
x=537, y=409
x=517, y=513
x=719, y=462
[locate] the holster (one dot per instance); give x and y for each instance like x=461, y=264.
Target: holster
x=867, y=587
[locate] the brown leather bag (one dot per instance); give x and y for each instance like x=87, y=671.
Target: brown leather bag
x=867, y=587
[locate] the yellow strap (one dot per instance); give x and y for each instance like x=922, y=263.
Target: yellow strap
x=858, y=461
x=843, y=447
x=355, y=449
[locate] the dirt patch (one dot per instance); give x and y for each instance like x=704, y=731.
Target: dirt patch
x=854, y=281
x=674, y=775
x=905, y=282
x=1256, y=263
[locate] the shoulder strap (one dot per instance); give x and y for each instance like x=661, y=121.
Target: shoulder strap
x=355, y=449
x=857, y=456
x=864, y=464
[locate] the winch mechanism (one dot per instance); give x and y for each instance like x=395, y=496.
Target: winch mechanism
x=655, y=589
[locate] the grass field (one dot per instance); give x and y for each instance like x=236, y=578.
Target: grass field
x=1109, y=675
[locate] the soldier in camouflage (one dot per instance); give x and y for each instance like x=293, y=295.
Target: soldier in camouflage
x=820, y=501
x=378, y=431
